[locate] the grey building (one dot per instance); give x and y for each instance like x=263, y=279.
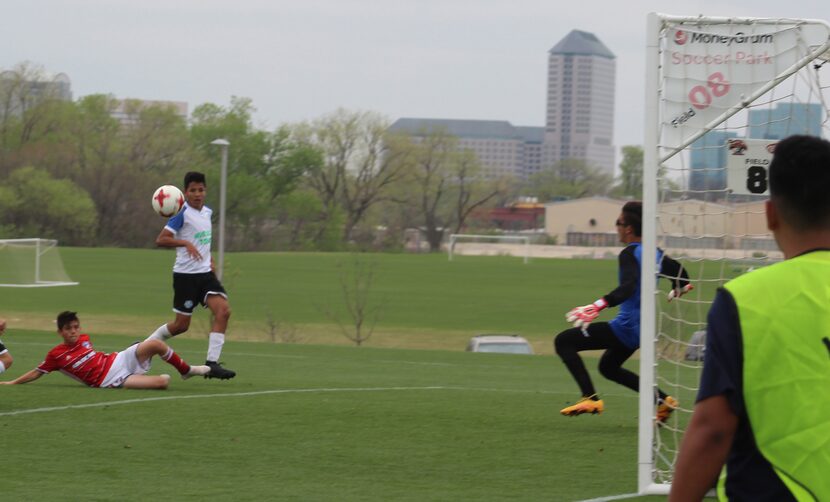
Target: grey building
x=502, y=148
x=579, y=119
x=580, y=102
x=20, y=92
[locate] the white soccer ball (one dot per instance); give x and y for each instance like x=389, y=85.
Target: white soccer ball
x=168, y=200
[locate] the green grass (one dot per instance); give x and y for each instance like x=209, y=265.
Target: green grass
x=426, y=301
x=305, y=422
x=322, y=420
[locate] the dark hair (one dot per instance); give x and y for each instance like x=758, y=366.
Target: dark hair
x=193, y=177
x=65, y=318
x=799, y=182
x=633, y=214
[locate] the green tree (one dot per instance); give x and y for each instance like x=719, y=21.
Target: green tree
x=568, y=178
x=36, y=205
x=120, y=164
x=631, y=173
x=262, y=167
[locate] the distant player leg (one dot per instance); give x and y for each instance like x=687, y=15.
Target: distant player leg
x=221, y=310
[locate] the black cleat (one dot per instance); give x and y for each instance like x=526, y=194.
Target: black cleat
x=217, y=371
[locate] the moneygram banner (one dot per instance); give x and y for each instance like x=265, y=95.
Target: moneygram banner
x=709, y=69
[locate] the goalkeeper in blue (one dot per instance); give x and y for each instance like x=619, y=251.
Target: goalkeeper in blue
x=620, y=337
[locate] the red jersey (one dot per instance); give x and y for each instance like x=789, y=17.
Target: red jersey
x=80, y=361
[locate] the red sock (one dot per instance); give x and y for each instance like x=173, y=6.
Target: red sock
x=177, y=362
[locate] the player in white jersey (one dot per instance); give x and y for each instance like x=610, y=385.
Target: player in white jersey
x=5, y=357
x=194, y=280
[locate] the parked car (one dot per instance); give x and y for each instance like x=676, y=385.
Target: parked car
x=509, y=344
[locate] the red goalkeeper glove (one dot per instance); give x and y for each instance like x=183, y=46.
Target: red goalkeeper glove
x=582, y=317
x=678, y=292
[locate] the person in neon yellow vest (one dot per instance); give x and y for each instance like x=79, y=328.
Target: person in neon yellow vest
x=763, y=408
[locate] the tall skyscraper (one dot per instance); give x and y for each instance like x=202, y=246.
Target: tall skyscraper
x=580, y=103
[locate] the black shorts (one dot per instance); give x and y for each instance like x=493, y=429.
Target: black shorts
x=192, y=289
x=2, y=348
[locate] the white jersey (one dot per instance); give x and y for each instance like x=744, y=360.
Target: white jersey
x=194, y=226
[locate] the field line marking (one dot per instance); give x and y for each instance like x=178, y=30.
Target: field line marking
x=267, y=392
x=206, y=396
x=613, y=497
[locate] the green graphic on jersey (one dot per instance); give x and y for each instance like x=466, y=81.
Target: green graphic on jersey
x=202, y=237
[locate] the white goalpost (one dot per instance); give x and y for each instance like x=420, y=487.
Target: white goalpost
x=720, y=92
x=489, y=245
x=31, y=263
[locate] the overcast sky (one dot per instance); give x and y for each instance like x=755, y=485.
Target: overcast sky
x=300, y=59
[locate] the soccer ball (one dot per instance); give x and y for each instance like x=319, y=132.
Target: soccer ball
x=168, y=200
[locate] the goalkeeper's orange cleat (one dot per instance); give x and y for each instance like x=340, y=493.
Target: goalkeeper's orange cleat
x=665, y=409
x=584, y=405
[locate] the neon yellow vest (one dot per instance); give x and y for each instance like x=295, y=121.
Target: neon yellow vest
x=784, y=313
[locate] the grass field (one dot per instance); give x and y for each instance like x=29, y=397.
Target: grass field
x=320, y=420
x=426, y=301
x=305, y=422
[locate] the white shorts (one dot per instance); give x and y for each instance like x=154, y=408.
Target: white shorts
x=126, y=363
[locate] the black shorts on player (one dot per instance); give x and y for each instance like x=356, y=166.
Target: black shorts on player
x=192, y=289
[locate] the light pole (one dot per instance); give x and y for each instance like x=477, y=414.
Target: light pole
x=223, y=181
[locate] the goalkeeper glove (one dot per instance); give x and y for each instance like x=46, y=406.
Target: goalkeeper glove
x=678, y=292
x=582, y=317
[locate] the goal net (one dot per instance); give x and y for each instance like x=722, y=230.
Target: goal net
x=31, y=263
x=720, y=93
x=507, y=245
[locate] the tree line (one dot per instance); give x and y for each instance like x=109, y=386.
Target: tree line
x=72, y=171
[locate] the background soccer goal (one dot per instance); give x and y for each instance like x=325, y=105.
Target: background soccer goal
x=720, y=93
x=31, y=263
x=513, y=245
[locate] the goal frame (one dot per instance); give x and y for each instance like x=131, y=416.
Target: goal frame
x=651, y=162
x=41, y=247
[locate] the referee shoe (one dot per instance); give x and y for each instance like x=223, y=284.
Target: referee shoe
x=217, y=371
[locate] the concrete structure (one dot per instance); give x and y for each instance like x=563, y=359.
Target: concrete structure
x=503, y=149
x=583, y=222
x=682, y=224
x=580, y=102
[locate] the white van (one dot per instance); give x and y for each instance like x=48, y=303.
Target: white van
x=509, y=344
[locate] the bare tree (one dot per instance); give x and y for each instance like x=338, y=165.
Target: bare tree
x=356, y=281
x=359, y=168
x=472, y=192
x=280, y=331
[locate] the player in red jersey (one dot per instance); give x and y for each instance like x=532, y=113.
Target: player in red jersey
x=76, y=358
